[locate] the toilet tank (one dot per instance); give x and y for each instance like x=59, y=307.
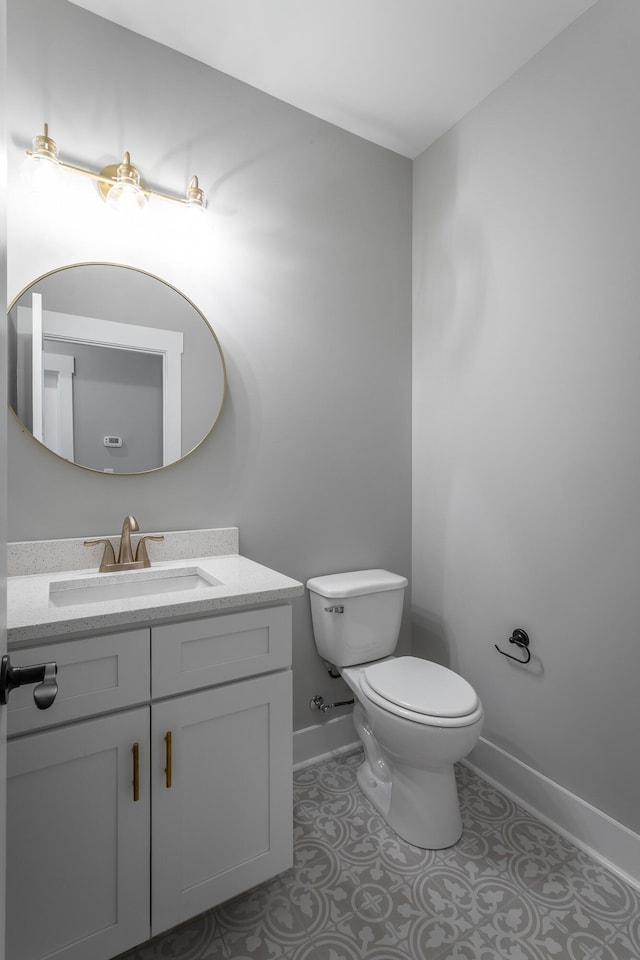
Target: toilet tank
x=356, y=616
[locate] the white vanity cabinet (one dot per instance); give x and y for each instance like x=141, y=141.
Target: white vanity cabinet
x=198, y=714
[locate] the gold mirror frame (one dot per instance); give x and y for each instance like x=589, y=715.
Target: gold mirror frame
x=14, y=373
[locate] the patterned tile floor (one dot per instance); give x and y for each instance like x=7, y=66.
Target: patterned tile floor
x=510, y=888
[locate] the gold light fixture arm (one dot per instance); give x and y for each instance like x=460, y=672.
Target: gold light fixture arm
x=44, y=148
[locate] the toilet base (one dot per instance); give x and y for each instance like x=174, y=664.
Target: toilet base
x=421, y=806
x=377, y=791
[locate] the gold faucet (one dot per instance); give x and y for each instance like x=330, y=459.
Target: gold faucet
x=125, y=555
x=125, y=559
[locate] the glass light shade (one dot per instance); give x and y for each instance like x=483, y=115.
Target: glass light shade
x=40, y=174
x=195, y=209
x=126, y=195
x=195, y=196
x=40, y=170
x=126, y=198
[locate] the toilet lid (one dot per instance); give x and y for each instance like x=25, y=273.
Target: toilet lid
x=422, y=687
x=357, y=583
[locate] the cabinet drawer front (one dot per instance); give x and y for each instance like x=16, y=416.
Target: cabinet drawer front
x=95, y=675
x=202, y=653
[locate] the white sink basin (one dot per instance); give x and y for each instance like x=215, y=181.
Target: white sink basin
x=129, y=585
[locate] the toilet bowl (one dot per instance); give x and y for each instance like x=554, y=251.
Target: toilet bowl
x=408, y=773
x=415, y=718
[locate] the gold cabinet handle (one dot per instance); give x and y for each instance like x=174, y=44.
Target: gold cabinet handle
x=135, y=750
x=168, y=755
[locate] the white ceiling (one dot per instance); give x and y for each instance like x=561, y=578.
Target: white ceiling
x=397, y=72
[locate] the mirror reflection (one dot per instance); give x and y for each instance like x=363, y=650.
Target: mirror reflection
x=112, y=368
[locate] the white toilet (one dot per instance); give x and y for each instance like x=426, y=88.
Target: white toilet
x=415, y=718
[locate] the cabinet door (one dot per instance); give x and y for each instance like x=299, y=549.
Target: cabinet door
x=77, y=842
x=224, y=823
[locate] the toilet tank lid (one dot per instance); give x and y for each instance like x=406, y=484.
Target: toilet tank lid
x=422, y=686
x=356, y=584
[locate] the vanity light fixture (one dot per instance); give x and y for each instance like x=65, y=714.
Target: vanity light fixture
x=119, y=183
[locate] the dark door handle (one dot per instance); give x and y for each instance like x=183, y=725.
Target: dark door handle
x=44, y=674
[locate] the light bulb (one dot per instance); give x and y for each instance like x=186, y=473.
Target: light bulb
x=126, y=195
x=39, y=171
x=126, y=198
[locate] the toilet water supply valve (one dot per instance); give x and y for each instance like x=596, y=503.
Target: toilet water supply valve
x=317, y=703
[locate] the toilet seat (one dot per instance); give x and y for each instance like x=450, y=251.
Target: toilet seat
x=421, y=691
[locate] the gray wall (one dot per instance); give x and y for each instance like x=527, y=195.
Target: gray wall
x=302, y=267
x=526, y=400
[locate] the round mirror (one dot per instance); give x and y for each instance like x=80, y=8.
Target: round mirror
x=113, y=368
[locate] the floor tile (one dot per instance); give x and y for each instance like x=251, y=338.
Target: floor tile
x=352, y=940
x=262, y=924
x=624, y=944
x=519, y=928
x=510, y=889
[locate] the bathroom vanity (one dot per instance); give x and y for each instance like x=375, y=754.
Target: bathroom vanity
x=158, y=784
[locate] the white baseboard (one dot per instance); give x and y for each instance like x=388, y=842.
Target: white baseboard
x=324, y=740
x=607, y=841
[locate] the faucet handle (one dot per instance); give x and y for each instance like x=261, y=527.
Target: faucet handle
x=141, y=550
x=108, y=557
